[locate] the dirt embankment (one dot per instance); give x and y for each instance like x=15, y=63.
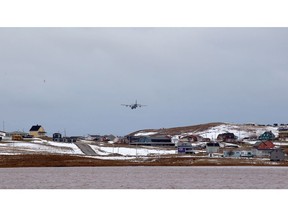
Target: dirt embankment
x=46, y=160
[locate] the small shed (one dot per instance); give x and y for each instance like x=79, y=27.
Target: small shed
x=277, y=155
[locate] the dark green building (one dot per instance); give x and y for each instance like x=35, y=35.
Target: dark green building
x=268, y=135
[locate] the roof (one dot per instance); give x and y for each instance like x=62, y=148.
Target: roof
x=35, y=127
x=264, y=145
x=213, y=144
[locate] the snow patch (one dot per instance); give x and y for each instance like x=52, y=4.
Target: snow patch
x=125, y=151
x=145, y=133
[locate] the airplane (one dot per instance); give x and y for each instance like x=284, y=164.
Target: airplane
x=133, y=106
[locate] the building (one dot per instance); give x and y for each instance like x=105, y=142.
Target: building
x=37, y=131
x=189, y=138
x=2, y=134
x=212, y=147
x=72, y=139
x=238, y=154
x=107, y=138
x=93, y=137
x=57, y=137
x=226, y=137
x=283, y=133
x=185, y=148
x=263, y=148
x=268, y=135
x=17, y=137
x=277, y=155
x=153, y=141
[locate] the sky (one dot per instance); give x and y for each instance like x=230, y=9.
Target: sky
x=75, y=79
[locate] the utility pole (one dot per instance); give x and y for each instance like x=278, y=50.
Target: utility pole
x=3, y=125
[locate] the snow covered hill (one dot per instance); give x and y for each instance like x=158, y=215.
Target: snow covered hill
x=212, y=130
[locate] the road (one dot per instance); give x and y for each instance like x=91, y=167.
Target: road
x=86, y=149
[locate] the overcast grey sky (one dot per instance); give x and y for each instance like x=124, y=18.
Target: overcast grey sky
x=75, y=79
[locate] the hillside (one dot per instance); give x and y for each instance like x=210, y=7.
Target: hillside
x=211, y=130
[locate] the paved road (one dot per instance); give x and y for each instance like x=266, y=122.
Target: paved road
x=86, y=149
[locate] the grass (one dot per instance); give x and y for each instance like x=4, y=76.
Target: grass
x=51, y=160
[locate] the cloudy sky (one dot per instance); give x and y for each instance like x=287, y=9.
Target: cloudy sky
x=75, y=79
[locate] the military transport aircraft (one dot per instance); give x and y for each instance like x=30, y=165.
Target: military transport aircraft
x=133, y=106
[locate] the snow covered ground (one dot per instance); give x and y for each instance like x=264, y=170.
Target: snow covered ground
x=131, y=151
x=40, y=146
x=103, y=151
x=241, y=131
x=145, y=133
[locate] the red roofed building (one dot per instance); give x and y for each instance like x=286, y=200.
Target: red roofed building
x=263, y=148
x=264, y=145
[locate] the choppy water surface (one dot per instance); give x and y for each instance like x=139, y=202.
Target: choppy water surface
x=145, y=178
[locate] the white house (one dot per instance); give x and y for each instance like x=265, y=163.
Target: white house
x=2, y=134
x=212, y=147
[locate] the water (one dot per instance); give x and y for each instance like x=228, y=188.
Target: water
x=144, y=178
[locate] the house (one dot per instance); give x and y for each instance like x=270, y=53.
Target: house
x=264, y=145
x=226, y=137
x=132, y=139
x=268, y=135
x=93, y=137
x=153, y=141
x=72, y=139
x=107, y=138
x=277, y=155
x=57, y=137
x=189, y=138
x=2, y=134
x=37, y=131
x=263, y=148
x=185, y=148
x=237, y=154
x=212, y=147
x=283, y=133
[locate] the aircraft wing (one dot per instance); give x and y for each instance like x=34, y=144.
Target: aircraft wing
x=140, y=105
x=126, y=105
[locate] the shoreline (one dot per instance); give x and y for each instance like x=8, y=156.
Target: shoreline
x=62, y=160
